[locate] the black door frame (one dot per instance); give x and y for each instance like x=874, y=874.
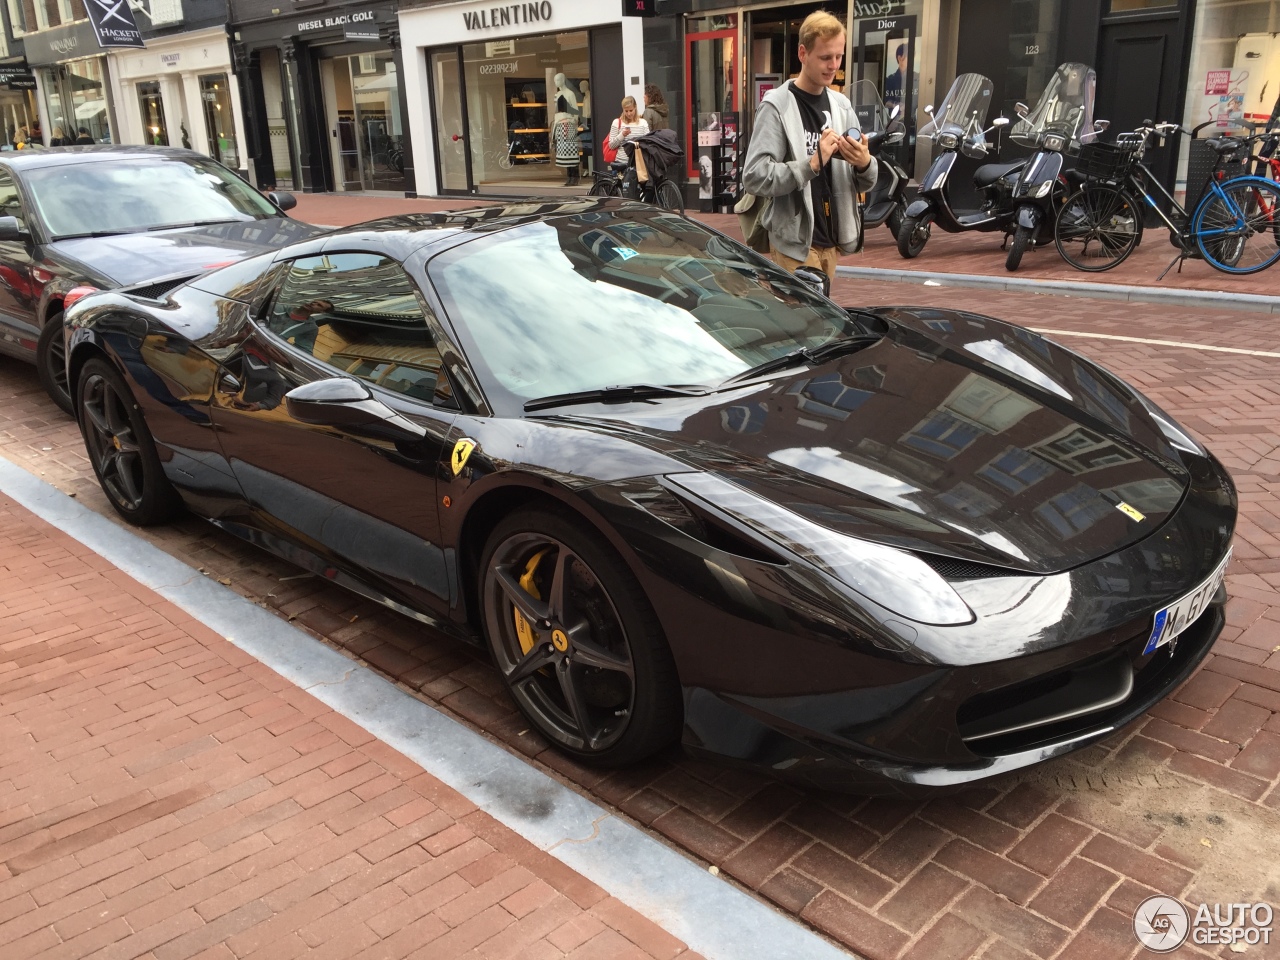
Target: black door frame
x=435, y=122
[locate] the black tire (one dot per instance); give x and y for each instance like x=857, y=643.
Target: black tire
x=51, y=364
x=669, y=196
x=1097, y=228
x=1017, y=247
x=121, y=449
x=604, y=187
x=895, y=218
x=594, y=676
x=1235, y=231
x=914, y=234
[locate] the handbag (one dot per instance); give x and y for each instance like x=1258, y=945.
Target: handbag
x=608, y=152
x=751, y=211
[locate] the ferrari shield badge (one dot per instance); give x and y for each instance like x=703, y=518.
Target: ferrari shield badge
x=1131, y=512
x=461, y=451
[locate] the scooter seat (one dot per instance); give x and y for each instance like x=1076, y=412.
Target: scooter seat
x=989, y=173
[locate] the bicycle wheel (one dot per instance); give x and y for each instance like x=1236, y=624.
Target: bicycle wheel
x=670, y=197
x=1235, y=225
x=604, y=187
x=1097, y=228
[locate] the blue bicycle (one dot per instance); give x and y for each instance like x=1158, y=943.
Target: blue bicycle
x=1234, y=226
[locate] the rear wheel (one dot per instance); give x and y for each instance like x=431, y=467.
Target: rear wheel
x=1017, y=247
x=121, y=449
x=575, y=639
x=605, y=186
x=1235, y=231
x=914, y=234
x=670, y=197
x=51, y=364
x=1097, y=228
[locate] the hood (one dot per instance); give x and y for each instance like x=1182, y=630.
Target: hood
x=137, y=257
x=661, y=109
x=989, y=444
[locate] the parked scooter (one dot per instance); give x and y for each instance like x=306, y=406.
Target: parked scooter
x=1061, y=121
x=886, y=203
x=957, y=125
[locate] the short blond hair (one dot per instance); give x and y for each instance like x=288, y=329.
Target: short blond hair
x=629, y=101
x=819, y=25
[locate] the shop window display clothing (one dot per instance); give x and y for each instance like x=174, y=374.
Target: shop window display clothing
x=564, y=129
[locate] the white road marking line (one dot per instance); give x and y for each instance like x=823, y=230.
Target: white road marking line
x=1159, y=343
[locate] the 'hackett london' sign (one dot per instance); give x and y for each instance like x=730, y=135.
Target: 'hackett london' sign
x=508, y=15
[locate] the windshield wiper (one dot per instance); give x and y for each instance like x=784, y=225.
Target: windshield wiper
x=91, y=233
x=809, y=355
x=622, y=394
x=194, y=223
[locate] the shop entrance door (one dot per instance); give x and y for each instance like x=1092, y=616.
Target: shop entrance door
x=711, y=66
x=449, y=108
x=370, y=142
x=887, y=56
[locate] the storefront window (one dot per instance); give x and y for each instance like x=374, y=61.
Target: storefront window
x=75, y=99
x=370, y=136
x=219, y=120
x=18, y=107
x=22, y=16
x=152, y=107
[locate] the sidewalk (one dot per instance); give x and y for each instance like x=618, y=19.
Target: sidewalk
x=964, y=254
x=164, y=794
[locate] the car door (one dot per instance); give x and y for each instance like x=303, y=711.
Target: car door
x=363, y=502
x=18, y=298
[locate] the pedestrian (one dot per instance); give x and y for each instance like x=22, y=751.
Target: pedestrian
x=21, y=139
x=628, y=126
x=59, y=139
x=656, y=111
x=82, y=136
x=813, y=175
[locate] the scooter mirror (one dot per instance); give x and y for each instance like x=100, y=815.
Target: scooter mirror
x=894, y=111
x=1000, y=122
x=1021, y=109
x=975, y=148
x=929, y=109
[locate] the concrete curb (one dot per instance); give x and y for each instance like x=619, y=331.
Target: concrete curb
x=1203, y=299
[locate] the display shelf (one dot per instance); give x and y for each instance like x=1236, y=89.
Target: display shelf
x=531, y=130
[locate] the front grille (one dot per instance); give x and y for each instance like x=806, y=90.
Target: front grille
x=154, y=291
x=949, y=568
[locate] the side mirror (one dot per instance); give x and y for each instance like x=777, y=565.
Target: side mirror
x=1101, y=125
x=897, y=109
x=1021, y=109
x=11, y=230
x=285, y=201
x=1000, y=122
x=344, y=402
x=929, y=109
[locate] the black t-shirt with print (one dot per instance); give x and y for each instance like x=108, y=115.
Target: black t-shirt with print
x=815, y=114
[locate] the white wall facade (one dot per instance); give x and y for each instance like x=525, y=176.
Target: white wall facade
x=177, y=63
x=472, y=21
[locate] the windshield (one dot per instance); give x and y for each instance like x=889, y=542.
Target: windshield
x=872, y=115
x=1065, y=108
x=963, y=110
x=139, y=193
x=622, y=297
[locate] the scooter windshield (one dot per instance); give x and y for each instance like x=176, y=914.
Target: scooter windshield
x=872, y=115
x=1063, y=113
x=963, y=111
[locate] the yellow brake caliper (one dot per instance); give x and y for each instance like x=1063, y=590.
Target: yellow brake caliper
x=523, y=629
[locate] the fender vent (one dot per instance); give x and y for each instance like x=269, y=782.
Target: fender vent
x=155, y=291
x=950, y=568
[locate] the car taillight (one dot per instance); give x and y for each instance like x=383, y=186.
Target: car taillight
x=76, y=293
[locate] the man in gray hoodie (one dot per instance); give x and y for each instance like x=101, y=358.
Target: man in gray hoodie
x=799, y=155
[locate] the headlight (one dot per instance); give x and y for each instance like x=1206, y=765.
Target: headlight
x=948, y=141
x=1178, y=437
x=1043, y=190
x=892, y=578
x=1055, y=142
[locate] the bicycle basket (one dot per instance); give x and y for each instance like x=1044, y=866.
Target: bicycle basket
x=1107, y=161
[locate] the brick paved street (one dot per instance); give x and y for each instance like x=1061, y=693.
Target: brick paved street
x=163, y=794
x=1047, y=864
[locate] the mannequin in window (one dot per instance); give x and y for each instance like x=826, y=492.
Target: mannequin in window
x=584, y=129
x=564, y=130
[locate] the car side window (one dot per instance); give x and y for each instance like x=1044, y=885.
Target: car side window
x=358, y=312
x=10, y=201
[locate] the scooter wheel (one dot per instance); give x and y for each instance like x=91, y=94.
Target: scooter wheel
x=1021, y=241
x=894, y=221
x=914, y=234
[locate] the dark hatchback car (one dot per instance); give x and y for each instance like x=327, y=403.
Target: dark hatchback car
x=675, y=492
x=75, y=220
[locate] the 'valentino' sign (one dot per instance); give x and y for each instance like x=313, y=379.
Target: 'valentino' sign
x=508, y=15
x=113, y=23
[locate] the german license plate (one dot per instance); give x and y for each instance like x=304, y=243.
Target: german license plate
x=1176, y=617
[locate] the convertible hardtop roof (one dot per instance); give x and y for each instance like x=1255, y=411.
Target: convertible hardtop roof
x=95, y=153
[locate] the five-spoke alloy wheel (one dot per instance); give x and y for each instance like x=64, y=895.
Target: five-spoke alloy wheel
x=575, y=640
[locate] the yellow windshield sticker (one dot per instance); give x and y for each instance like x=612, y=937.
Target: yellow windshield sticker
x=1131, y=512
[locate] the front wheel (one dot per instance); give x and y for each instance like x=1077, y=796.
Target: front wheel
x=1097, y=228
x=575, y=639
x=604, y=187
x=914, y=234
x=670, y=197
x=51, y=364
x=121, y=449
x=1235, y=230
x=895, y=218
x=1021, y=241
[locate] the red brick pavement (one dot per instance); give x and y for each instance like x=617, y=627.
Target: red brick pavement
x=1045, y=864
x=164, y=795
x=968, y=253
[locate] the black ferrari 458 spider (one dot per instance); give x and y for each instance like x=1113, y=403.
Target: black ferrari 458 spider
x=677, y=494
